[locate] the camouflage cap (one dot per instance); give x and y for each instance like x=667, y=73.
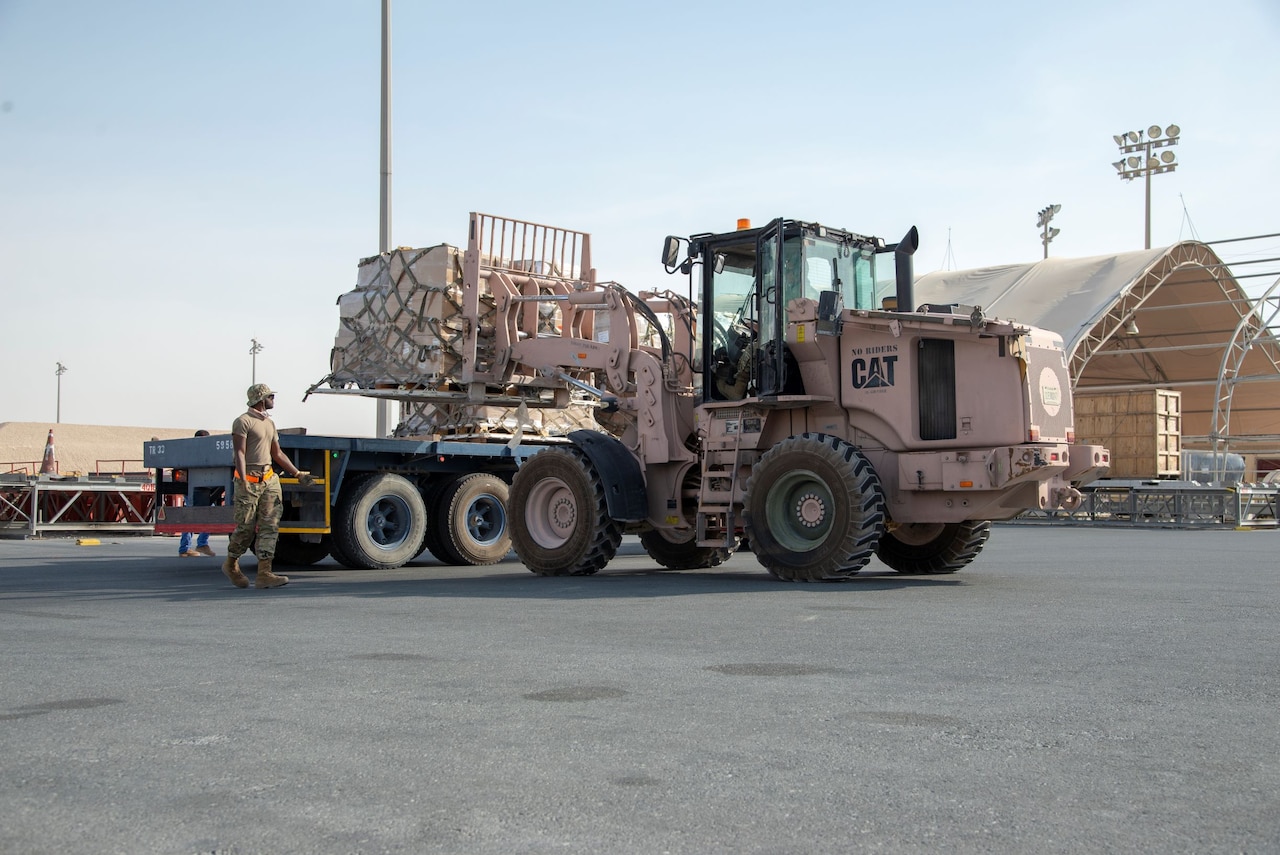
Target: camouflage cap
x=258, y=392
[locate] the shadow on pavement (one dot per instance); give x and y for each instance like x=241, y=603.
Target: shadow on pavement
x=177, y=580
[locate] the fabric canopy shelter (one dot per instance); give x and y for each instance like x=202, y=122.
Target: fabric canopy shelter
x=1169, y=318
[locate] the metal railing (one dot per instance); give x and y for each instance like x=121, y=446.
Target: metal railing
x=517, y=245
x=21, y=467
x=138, y=467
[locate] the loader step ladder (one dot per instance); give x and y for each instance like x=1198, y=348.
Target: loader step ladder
x=717, y=523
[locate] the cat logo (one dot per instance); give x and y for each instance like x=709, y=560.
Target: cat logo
x=873, y=373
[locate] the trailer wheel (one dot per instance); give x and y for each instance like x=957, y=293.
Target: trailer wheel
x=431, y=532
x=923, y=549
x=560, y=525
x=293, y=551
x=683, y=555
x=379, y=521
x=471, y=523
x=814, y=509
x=336, y=553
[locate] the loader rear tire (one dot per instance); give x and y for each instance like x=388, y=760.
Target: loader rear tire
x=379, y=521
x=560, y=524
x=814, y=509
x=471, y=521
x=926, y=549
x=686, y=555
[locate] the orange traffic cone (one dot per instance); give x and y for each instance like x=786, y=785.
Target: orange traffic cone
x=50, y=464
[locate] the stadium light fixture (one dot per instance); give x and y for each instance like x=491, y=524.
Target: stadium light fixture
x=1047, y=234
x=1142, y=160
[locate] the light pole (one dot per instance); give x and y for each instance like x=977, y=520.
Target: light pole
x=382, y=417
x=62, y=369
x=1140, y=158
x=254, y=349
x=1047, y=234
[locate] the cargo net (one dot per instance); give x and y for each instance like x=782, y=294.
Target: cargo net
x=402, y=330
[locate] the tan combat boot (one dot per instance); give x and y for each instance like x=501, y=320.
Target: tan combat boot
x=267, y=579
x=231, y=567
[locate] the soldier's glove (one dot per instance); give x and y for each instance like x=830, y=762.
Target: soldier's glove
x=305, y=479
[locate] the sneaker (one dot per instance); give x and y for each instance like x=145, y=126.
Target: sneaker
x=205, y=550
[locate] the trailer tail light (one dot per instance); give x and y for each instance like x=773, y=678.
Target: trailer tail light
x=966, y=484
x=1071, y=436
x=1033, y=434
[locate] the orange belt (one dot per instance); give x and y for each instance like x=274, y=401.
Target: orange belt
x=254, y=479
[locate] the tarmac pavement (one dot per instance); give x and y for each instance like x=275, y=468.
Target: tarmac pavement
x=1074, y=690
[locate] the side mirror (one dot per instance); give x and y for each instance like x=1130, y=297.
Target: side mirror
x=671, y=252
x=718, y=264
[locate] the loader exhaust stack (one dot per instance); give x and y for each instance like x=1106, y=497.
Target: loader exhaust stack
x=905, y=269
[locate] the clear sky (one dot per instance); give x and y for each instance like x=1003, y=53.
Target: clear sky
x=178, y=178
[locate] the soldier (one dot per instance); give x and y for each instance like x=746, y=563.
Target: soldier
x=258, y=501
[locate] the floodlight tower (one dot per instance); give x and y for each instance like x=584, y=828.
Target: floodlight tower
x=1047, y=234
x=1141, y=159
x=62, y=369
x=382, y=415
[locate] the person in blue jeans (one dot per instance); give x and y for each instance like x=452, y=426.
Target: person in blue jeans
x=202, y=539
x=202, y=546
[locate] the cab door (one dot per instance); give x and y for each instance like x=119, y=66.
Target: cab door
x=772, y=377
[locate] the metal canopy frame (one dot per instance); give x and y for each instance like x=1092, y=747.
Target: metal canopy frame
x=1252, y=333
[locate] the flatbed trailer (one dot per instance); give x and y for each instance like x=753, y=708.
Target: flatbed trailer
x=376, y=503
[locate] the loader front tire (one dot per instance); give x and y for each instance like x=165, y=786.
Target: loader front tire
x=560, y=525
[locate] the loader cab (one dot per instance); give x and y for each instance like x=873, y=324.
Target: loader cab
x=748, y=277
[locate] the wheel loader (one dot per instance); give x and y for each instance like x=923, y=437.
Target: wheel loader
x=786, y=396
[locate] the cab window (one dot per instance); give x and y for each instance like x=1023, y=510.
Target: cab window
x=812, y=265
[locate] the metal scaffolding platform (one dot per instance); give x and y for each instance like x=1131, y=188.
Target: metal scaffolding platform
x=1169, y=504
x=33, y=505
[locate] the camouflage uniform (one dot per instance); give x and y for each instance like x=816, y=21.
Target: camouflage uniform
x=258, y=505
